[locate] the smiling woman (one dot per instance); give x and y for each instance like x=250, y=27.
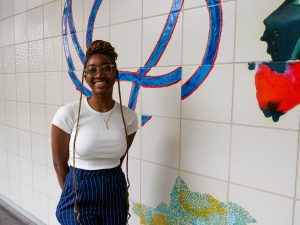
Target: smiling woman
x=90, y=140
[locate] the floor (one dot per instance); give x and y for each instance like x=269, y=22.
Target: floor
x=9, y=216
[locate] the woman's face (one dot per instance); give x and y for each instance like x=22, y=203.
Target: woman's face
x=100, y=74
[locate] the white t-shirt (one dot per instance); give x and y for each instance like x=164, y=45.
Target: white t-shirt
x=96, y=146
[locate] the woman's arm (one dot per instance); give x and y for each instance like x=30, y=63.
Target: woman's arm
x=60, y=153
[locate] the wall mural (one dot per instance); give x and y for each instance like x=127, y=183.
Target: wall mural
x=278, y=82
x=193, y=208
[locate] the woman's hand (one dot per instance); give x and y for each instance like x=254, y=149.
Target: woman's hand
x=60, y=153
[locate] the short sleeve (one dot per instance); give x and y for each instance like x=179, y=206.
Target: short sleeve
x=64, y=118
x=132, y=122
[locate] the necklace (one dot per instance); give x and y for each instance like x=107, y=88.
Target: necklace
x=106, y=120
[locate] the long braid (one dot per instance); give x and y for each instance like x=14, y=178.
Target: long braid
x=76, y=207
x=126, y=153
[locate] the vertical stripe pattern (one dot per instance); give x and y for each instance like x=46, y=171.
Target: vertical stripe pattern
x=101, y=197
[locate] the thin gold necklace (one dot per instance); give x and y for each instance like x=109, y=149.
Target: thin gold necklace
x=106, y=120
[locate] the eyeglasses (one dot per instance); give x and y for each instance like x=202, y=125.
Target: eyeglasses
x=104, y=69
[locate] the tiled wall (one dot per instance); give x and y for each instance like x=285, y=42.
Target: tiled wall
x=217, y=139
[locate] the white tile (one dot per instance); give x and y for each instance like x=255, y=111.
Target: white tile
x=101, y=33
x=51, y=212
x=22, y=64
x=119, y=14
x=156, y=7
x=8, y=35
x=2, y=87
x=50, y=112
x=38, y=118
x=20, y=6
x=127, y=44
x=36, y=56
x=35, y=24
x=77, y=11
x=23, y=115
x=3, y=161
x=13, y=165
x=297, y=213
x=152, y=31
x=39, y=178
x=9, y=59
x=126, y=87
x=102, y=17
x=203, y=146
x=14, y=190
x=135, y=149
x=7, y=8
x=205, y=103
x=246, y=109
x=1, y=59
x=11, y=113
x=195, y=35
x=47, y=1
x=53, y=54
x=12, y=139
x=10, y=87
x=38, y=142
x=4, y=184
x=49, y=152
x=250, y=28
x=34, y=3
x=26, y=197
x=226, y=46
x=194, y=3
x=273, y=152
x=24, y=140
x=54, y=190
x=53, y=81
x=1, y=12
x=134, y=176
x=25, y=171
x=204, y=185
x=21, y=27
x=165, y=99
x=156, y=184
x=52, y=18
x=2, y=112
x=70, y=93
x=3, y=136
x=298, y=179
x=37, y=87
x=265, y=208
x=163, y=147
x=78, y=65
x=40, y=206
x=23, y=88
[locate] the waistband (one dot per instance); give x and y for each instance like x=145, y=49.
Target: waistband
x=101, y=172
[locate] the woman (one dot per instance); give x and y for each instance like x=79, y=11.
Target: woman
x=90, y=139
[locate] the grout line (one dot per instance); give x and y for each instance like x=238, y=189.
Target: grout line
x=232, y=108
x=296, y=179
x=217, y=179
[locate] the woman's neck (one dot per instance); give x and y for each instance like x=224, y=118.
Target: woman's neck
x=101, y=103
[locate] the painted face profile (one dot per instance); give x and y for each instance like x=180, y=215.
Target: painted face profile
x=282, y=32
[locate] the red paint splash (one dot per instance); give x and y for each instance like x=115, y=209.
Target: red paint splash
x=277, y=93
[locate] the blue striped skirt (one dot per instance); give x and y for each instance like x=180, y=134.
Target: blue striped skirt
x=102, y=197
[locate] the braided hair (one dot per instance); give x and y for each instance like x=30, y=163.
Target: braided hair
x=104, y=48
